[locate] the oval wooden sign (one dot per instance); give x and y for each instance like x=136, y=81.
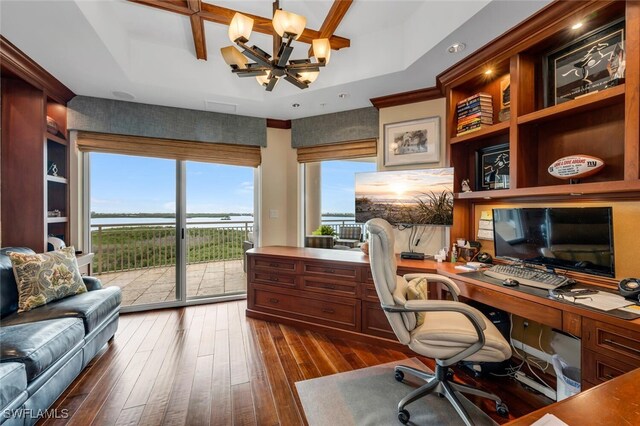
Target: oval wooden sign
x=576, y=166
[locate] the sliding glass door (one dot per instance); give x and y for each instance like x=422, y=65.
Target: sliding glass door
x=168, y=232
x=219, y=220
x=133, y=226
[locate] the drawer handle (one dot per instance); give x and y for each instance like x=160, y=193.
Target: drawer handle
x=274, y=265
x=620, y=345
x=609, y=376
x=276, y=279
x=328, y=311
x=272, y=300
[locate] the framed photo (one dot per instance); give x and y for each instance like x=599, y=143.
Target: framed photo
x=589, y=64
x=412, y=142
x=492, y=168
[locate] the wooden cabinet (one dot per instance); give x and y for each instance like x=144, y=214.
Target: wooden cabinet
x=604, y=124
x=326, y=294
x=31, y=185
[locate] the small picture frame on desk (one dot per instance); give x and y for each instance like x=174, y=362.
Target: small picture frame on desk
x=589, y=64
x=492, y=168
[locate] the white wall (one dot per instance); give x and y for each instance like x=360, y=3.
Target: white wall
x=278, y=190
x=434, y=238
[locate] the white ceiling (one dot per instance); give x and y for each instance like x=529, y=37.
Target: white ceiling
x=97, y=47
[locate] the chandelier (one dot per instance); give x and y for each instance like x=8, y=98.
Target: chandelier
x=269, y=70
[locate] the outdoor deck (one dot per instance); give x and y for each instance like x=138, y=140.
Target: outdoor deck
x=153, y=285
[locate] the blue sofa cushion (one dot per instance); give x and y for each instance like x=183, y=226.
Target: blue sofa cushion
x=93, y=307
x=13, y=381
x=38, y=345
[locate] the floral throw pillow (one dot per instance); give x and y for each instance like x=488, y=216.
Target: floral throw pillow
x=43, y=278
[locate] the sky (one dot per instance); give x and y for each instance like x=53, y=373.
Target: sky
x=128, y=184
x=404, y=185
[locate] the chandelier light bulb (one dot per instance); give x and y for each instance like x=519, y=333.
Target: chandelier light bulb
x=322, y=49
x=240, y=27
x=232, y=56
x=263, y=80
x=309, y=76
x=287, y=23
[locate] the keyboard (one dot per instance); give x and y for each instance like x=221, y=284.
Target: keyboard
x=528, y=276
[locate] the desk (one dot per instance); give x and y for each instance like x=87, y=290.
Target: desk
x=333, y=291
x=610, y=403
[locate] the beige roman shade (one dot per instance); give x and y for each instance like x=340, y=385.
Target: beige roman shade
x=221, y=153
x=338, y=151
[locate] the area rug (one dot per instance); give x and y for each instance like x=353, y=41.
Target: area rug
x=370, y=396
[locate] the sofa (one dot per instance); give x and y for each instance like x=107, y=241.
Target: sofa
x=43, y=350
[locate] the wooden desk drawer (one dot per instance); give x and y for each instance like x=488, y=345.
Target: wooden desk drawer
x=333, y=270
x=273, y=278
x=375, y=322
x=332, y=287
x=615, y=342
x=274, y=263
x=367, y=276
x=369, y=293
x=342, y=313
x=598, y=368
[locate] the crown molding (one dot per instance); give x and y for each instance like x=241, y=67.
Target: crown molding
x=15, y=62
x=420, y=95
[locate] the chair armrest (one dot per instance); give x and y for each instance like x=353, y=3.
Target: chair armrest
x=92, y=283
x=448, y=282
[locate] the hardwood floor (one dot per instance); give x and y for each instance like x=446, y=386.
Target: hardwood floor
x=210, y=365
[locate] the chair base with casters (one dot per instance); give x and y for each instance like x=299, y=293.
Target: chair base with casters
x=441, y=382
x=447, y=331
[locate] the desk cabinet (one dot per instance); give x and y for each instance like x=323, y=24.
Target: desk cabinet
x=324, y=294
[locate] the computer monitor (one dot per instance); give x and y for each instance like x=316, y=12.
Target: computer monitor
x=571, y=238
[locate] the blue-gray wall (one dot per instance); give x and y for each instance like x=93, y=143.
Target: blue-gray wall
x=337, y=127
x=129, y=118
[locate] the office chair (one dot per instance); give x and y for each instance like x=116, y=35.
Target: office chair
x=452, y=331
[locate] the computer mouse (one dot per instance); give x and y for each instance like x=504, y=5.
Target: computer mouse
x=510, y=282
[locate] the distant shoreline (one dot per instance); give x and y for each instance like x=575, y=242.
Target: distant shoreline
x=189, y=215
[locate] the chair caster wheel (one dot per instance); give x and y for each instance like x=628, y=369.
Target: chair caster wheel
x=502, y=409
x=399, y=376
x=450, y=375
x=403, y=416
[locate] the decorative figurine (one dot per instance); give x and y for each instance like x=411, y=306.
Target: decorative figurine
x=53, y=169
x=465, y=186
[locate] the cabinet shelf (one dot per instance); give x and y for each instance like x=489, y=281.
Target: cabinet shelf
x=493, y=130
x=588, y=103
x=57, y=179
x=55, y=138
x=57, y=220
x=580, y=189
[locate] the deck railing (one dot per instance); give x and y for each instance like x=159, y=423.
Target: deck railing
x=130, y=246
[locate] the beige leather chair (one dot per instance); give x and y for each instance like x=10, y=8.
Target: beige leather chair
x=452, y=331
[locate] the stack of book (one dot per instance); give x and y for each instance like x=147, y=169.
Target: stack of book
x=473, y=113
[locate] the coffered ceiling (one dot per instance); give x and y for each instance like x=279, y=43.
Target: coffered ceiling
x=98, y=48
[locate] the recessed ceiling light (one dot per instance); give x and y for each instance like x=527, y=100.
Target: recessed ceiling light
x=296, y=105
x=125, y=96
x=343, y=95
x=488, y=72
x=456, y=47
x=576, y=25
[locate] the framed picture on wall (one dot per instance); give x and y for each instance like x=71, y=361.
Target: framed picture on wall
x=412, y=142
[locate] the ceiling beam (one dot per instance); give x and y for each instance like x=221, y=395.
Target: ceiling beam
x=338, y=9
x=176, y=6
x=197, y=29
x=222, y=15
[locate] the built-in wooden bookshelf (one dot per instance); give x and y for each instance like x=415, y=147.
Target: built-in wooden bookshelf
x=29, y=188
x=604, y=124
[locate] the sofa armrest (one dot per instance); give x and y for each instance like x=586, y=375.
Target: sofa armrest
x=92, y=283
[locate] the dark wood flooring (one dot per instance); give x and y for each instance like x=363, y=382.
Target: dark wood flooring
x=210, y=365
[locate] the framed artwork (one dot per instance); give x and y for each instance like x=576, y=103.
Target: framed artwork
x=492, y=168
x=587, y=65
x=412, y=142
